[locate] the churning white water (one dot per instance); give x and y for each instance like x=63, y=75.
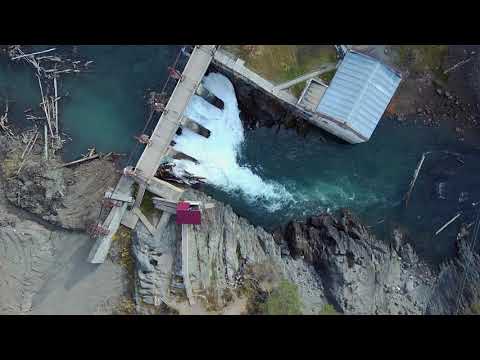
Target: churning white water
x=218, y=154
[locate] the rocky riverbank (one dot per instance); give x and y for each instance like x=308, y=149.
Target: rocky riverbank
x=439, y=85
x=43, y=268
x=333, y=260
x=67, y=197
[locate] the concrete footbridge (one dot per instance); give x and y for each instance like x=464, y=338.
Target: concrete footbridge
x=158, y=145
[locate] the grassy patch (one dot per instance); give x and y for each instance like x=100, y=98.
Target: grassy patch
x=283, y=300
x=328, y=310
x=11, y=163
x=258, y=279
x=297, y=89
x=328, y=76
x=146, y=206
x=280, y=63
x=126, y=306
x=422, y=58
x=474, y=309
x=162, y=309
x=123, y=239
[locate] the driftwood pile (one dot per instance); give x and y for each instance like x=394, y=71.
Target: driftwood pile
x=4, y=122
x=48, y=67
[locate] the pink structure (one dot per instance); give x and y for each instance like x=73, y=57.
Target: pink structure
x=188, y=214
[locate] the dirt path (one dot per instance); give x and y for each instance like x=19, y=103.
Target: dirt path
x=45, y=272
x=74, y=286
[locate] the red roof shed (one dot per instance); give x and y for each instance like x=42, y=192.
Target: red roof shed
x=188, y=214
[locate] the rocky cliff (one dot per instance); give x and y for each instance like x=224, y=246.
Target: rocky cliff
x=359, y=273
x=332, y=259
x=457, y=287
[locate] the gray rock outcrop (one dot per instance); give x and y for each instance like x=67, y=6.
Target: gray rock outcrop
x=457, y=288
x=359, y=274
x=332, y=260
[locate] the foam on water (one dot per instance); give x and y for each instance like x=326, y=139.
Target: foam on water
x=218, y=155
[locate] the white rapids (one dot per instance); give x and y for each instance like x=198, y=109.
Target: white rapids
x=218, y=154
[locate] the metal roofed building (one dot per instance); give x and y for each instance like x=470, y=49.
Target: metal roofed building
x=357, y=97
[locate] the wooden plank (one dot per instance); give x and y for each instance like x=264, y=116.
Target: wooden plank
x=129, y=220
x=141, y=192
x=119, y=196
x=164, y=189
x=164, y=206
x=100, y=249
x=162, y=223
x=144, y=220
x=185, y=267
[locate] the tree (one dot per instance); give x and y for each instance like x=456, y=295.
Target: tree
x=283, y=300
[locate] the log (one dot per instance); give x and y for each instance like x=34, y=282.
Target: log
x=34, y=136
x=415, y=175
x=32, y=54
x=46, y=141
x=457, y=65
x=448, y=223
x=79, y=161
x=56, y=104
x=28, y=152
x=44, y=105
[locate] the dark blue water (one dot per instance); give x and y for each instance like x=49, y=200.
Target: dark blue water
x=371, y=179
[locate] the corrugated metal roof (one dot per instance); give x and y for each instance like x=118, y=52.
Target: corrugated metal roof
x=359, y=92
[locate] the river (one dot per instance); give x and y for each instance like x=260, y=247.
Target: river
x=267, y=176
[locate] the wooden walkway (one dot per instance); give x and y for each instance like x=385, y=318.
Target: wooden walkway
x=313, y=74
x=100, y=249
x=172, y=116
x=151, y=158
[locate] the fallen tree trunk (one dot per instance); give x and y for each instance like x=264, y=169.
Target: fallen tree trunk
x=448, y=223
x=415, y=176
x=79, y=161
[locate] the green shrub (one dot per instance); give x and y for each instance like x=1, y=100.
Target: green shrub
x=283, y=300
x=475, y=309
x=328, y=310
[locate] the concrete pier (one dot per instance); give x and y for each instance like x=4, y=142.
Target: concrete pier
x=172, y=116
x=144, y=174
